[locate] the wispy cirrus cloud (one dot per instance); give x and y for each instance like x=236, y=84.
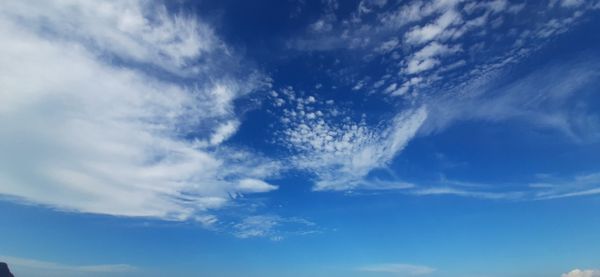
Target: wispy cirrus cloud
x=546, y=187
x=471, y=193
x=541, y=98
x=579, y=185
x=121, y=108
x=446, y=56
x=125, y=108
x=134, y=31
x=273, y=227
x=328, y=140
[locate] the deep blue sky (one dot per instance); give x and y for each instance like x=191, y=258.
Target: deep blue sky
x=300, y=138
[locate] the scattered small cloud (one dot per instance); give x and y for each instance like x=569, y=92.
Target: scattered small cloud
x=341, y=151
x=582, y=273
x=272, y=227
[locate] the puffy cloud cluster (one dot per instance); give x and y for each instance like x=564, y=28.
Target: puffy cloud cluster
x=338, y=149
x=396, y=35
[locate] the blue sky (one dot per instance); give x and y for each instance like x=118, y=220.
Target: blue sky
x=300, y=138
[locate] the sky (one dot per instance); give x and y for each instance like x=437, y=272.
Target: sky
x=300, y=138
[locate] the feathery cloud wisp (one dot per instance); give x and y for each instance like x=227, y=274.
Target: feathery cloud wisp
x=87, y=129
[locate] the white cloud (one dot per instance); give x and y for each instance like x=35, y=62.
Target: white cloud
x=579, y=185
x=426, y=33
x=497, y=6
x=321, y=25
x=545, y=188
x=538, y=99
x=224, y=131
x=399, y=269
x=357, y=32
x=400, y=91
x=256, y=226
x=426, y=41
x=426, y=57
x=254, y=185
x=367, y=6
x=407, y=85
x=467, y=193
x=341, y=151
x=391, y=88
x=207, y=221
x=82, y=133
x=571, y=3
x=271, y=227
x=416, y=11
x=573, y=194
x=435, y=49
x=388, y=46
x=133, y=30
x=416, y=66
x=582, y=273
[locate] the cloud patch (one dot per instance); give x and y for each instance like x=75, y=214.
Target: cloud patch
x=582, y=273
x=91, y=124
x=272, y=227
x=338, y=149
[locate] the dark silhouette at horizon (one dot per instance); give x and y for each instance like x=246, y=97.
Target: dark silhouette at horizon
x=4, y=271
